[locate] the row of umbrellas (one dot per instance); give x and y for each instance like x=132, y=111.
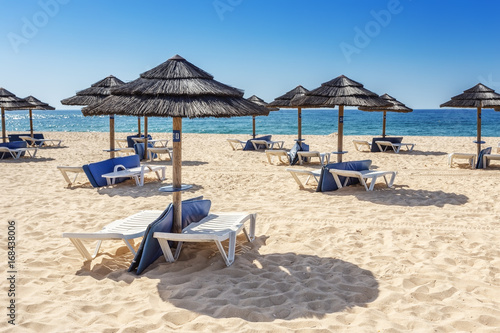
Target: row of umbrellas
x=9, y=101
x=179, y=89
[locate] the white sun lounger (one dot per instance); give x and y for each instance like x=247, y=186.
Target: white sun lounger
x=16, y=152
x=359, y=144
x=363, y=175
x=279, y=153
x=489, y=157
x=383, y=145
x=136, y=173
x=216, y=227
x=267, y=144
x=309, y=173
x=235, y=143
x=125, y=151
x=32, y=142
x=159, y=151
x=462, y=156
x=70, y=169
x=128, y=228
x=323, y=157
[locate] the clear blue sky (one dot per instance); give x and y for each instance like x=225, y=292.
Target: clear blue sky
x=422, y=52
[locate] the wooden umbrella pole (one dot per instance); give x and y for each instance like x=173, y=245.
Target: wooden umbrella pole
x=253, y=126
x=112, y=136
x=139, y=126
x=383, y=124
x=3, y=126
x=478, y=131
x=340, y=136
x=145, y=137
x=299, y=122
x=31, y=123
x=177, y=174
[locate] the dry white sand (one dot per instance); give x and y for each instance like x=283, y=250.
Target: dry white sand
x=422, y=256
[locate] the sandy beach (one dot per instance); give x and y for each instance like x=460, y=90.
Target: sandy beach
x=422, y=256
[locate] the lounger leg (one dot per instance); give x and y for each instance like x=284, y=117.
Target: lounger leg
x=372, y=184
x=337, y=181
x=229, y=258
x=66, y=178
x=298, y=180
x=178, y=250
x=81, y=248
x=167, y=253
x=269, y=158
x=131, y=248
x=251, y=236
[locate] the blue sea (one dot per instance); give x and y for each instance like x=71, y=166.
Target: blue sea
x=439, y=122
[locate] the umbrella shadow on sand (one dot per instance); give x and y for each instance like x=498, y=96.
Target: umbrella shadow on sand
x=256, y=287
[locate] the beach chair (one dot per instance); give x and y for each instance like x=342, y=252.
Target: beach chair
x=324, y=158
x=125, y=229
x=471, y=158
x=154, y=152
x=216, y=227
x=235, y=143
x=360, y=144
x=498, y=148
x=315, y=174
x=490, y=157
x=16, y=153
x=136, y=173
x=384, y=145
x=266, y=144
x=279, y=153
x=33, y=142
x=363, y=176
x=70, y=169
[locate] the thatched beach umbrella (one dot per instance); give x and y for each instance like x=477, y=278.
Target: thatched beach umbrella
x=9, y=101
x=176, y=89
x=478, y=97
x=341, y=91
x=396, y=106
x=261, y=102
x=36, y=105
x=96, y=93
x=287, y=101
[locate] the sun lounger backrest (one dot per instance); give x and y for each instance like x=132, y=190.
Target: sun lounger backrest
x=326, y=180
x=249, y=145
x=94, y=171
x=375, y=148
x=149, y=249
x=480, y=157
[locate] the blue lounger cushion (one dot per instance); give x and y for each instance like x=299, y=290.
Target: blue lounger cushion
x=326, y=180
x=12, y=145
x=139, y=150
x=94, y=171
x=17, y=137
x=483, y=152
x=393, y=139
x=149, y=249
x=249, y=145
x=292, y=154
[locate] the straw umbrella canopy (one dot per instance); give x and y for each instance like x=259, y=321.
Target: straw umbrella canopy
x=9, y=101
x=177, y=89
x=341, y=91
x=96, y=93
x=478, y=97
x=288, y=101
x=36, y=105
x=396, y=106
x=261, y=102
